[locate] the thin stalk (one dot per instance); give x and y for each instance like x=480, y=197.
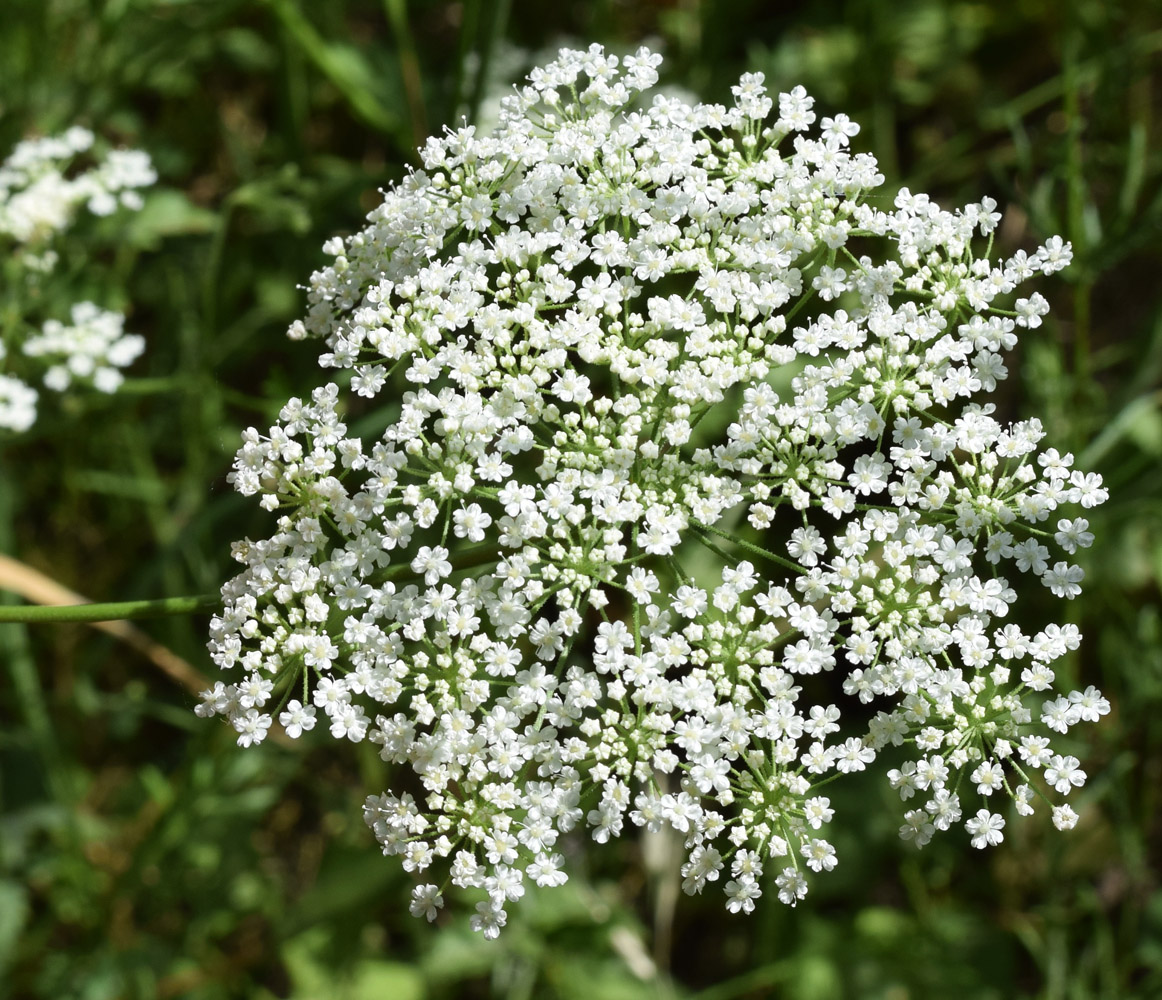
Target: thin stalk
x=108, y=612
x=756, y=550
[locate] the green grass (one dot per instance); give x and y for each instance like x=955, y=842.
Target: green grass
x=142, y=856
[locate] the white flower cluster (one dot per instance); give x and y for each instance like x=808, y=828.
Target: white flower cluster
x=94, y=348
x=40, y=195
x=41, y=192
x=686, y=422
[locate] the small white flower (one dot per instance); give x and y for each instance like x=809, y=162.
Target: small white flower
x=426, y=901
x=985, y=828
x=297, y=718
x=1064, y=818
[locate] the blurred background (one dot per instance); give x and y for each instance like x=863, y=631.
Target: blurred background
x=142, y=855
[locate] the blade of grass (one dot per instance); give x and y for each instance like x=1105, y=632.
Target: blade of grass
x=1118, y=428
x=409, y=64
x=1076, y=200
x=496, y=29
x=469, y=20
x=343, y=67
x=749, y=982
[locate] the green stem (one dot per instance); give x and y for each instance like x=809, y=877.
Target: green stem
x=116, y=611
x=750, y=547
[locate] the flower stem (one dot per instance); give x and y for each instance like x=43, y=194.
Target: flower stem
x=117, y=611
x=750, y=547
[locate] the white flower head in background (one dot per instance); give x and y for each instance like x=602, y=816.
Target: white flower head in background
x=682, y=423
x=93, y=348
x=40, y=195
x=42, y=190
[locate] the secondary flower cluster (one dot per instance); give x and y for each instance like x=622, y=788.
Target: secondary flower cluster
x=679, y=417
x=41, y=193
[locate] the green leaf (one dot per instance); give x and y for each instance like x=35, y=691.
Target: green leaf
x=13, y=914
x=315, y=978
x=165, y=214
x=385, y=981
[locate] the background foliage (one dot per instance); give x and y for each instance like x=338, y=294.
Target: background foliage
x=142, y=856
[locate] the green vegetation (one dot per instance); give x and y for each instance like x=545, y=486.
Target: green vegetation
x=142, y=855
